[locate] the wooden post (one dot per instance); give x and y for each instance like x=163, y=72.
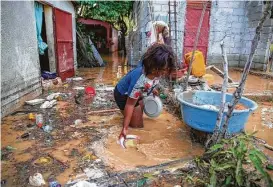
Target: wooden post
x=219, y=120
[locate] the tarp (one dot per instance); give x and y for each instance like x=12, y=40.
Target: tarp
x=42, y=46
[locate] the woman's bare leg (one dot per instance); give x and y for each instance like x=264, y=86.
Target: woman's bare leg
x=137, y=117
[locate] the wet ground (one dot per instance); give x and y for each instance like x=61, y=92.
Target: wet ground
x=77, y=151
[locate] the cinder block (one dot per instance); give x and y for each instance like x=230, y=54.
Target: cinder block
x=235, y=50
x=237, y=25
x=233, y=63
x=238, y=11
x=266, y=30
x=258, y=66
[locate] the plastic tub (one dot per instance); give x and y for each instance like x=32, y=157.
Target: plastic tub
x=204, y=119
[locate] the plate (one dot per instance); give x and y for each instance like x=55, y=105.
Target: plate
x=152, y=106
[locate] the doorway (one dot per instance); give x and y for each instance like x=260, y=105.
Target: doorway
x=193, y=14
x=44, y=59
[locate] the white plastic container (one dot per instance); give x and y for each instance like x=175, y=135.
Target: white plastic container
x=152, y=106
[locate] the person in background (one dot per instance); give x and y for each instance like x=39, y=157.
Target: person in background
x=162, y=32
x=159, y=60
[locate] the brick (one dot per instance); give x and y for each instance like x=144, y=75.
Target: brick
x=238, y=11
x=258, y=66
x=235, y=50
x=233, y=63
x=266, y=30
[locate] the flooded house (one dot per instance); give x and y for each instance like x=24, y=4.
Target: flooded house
x=104, y=35
x=36, y=36
x=232, y=21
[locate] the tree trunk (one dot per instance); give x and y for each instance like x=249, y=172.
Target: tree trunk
x=239, y=91
x=195, y=44
x=123, y=43
x=219, y=120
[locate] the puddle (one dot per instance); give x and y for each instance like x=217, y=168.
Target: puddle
x=162, y=139
x=256, y=123
x=254, y=83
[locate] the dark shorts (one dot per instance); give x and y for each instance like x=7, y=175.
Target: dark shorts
x=121, y=99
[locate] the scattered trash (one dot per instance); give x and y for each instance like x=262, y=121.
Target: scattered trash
x=31, y=116
x=162, y=96
x=74, y=79
x=108, y=88
x=25, y=135
x=78, y=88
x=39, y=120
x=141, y=182
x=35, y=102
x=30, y=125
x=93, y=173
x=9, y=148
x=210, y=107
x=90, y=91
x=89, y=157
x=48, y=75
x=54, y=184
x=42, y=161
x=52, y=96
x=36, y=180
x=78, y=122
x=49, y=104
x=84, y=184
x=51, y=83
x=47, y=128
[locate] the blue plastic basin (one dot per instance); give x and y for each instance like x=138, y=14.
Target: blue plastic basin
x=204, y=119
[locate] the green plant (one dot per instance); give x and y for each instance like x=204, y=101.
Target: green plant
x=232, y=162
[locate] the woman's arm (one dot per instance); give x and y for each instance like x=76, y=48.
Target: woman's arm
x=128, y=112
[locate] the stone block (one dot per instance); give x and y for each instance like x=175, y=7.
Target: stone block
x=241, y=19
x=233, y=63
x=237, y=25
x=238, y=11
x=258, y=66
x=266, y=30
x=235, y=50
x=260, y=51
x=268, y=22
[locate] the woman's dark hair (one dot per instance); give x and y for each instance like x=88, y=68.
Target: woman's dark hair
x=158, y=56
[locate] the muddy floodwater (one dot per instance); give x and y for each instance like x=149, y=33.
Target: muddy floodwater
x=162, y=139
x=69, y=149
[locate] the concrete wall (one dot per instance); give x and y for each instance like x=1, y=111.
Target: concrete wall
x=20, y=68
x=236, y=21
x=254, y=11
x=68, y=7
x=227, y=22
x=48, y=10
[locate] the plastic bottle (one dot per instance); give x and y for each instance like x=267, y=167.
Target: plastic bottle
x=39, y=120
x=31, y=117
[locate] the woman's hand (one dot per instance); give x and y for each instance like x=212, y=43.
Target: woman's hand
x=155, y=92
x=123, y=133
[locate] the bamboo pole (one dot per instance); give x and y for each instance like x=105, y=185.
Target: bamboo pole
x=219, y=120
x=195, y=44
x=239, y=91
